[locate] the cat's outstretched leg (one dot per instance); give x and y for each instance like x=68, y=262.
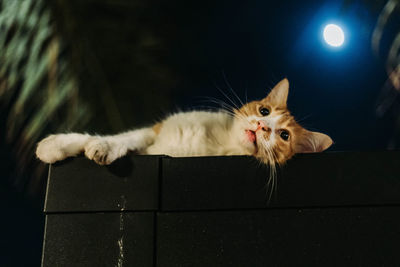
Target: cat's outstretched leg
x=61, y=146
x=101, y=149
x=106, y=149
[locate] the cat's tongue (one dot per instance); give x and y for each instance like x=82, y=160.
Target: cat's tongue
x=251, y=135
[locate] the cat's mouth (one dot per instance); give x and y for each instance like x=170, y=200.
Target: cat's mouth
x=251, y=136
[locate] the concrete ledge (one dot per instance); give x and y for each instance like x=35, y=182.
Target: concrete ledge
x=329, y=209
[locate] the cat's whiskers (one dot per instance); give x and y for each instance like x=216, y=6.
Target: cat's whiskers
x=272, y=179
x=230, y=109
x=242, y=116
x=221, y=102
x=230, y=88
x=227, y=108
x=222, y=105
x=227, y=97
x=303, y=118
x=267, y=150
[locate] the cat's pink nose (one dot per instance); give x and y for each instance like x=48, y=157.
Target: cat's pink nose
x=261, y=125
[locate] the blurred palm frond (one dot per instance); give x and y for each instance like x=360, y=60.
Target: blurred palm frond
x=384, y=41
x=393, y=60
x=38, y=90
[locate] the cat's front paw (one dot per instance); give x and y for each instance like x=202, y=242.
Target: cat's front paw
x=49, y=150
x=104, y=152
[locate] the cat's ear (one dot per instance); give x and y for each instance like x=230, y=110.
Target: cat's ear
x=279, y=94
x=310, y=142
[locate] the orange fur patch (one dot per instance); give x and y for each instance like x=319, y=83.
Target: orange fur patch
x=157, y=127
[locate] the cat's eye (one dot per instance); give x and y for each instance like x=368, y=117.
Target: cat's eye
x=264, y=111
x=284, y=135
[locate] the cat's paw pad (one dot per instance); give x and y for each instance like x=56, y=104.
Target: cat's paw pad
x=103, y=152
x=49, y=150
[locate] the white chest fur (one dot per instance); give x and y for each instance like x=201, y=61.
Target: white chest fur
x=197, y=133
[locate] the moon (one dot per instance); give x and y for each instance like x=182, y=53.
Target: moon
x=333, y=35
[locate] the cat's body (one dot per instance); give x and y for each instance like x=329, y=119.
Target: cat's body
x=195, y=133
x=264, y=129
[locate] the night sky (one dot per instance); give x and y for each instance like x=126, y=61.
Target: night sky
x=255, y=44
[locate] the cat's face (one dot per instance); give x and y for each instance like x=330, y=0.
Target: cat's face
x=270, y=133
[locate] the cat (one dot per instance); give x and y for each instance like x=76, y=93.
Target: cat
x=264, y=129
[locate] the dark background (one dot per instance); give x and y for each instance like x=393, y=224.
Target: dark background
x=138, y=61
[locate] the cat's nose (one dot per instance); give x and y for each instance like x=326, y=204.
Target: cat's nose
x=261, y=125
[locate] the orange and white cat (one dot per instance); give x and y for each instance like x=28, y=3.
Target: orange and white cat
x=264, y=129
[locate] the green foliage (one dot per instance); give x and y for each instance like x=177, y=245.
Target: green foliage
x=38, y=90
